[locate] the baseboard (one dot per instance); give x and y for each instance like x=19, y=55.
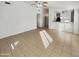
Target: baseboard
x=8, y=35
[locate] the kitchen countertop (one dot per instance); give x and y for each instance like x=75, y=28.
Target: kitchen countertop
x=62, y=22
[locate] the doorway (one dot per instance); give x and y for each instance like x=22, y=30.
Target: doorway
x=38, y=19
x=46, y=17
x=43, y=16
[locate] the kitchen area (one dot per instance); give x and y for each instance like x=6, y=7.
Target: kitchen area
x=64, y=20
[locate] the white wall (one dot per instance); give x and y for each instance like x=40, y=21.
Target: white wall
x=41, y=21
x=76, y=21
x=64, y=4
x=40, y=11
x=16, y=18
x=51, y=16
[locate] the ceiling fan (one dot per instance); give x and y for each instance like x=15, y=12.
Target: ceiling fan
x=36, y=3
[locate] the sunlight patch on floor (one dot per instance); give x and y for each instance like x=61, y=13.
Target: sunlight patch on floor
x=45, y=38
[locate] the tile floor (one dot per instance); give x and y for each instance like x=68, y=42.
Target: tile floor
x=29, y=44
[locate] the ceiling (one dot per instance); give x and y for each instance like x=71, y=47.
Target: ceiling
x=63, y=4
x=56, y=4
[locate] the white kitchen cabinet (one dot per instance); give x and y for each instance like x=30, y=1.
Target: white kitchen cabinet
x=54, y=25
x=68, y=27
x=62, y=26
x=58, y=26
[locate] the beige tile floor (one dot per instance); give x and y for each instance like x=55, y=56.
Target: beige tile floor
x=29, y=44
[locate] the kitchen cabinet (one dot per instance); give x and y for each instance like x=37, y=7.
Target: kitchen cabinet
x=62, y=26
x=68, y=27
